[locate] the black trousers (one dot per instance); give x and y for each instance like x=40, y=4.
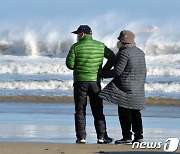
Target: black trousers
x=130, y=118
x=81, y=91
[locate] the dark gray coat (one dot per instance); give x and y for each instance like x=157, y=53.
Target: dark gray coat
x=127, y=87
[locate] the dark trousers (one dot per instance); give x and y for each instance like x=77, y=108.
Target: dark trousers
x=81, y=91
x=130, y=118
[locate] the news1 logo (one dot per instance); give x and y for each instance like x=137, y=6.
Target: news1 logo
x=171, y=145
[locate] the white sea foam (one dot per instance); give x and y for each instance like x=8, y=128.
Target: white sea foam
x=163, y=87
x=164, y=60
x=37, y=85
x=156, y=65
x=162, y=71
x=41, y=68
x=32, y=65
x=27, y=74
x=68, y=86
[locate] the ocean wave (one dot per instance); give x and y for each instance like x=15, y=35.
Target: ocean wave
x=163, y=87
x=165, y=60
x=172, y=87
x=67, y=77
x=162, y=95
x=50, y=76
x=162, y=71
x=35, y=77
x=42, y=68
x=59, y=48
x=17, y=92
x=31, y=47
x=37, y=85
x=32, y=56
x=45, y=65
x=162, y=48
x=37, y=68
x=53, y=38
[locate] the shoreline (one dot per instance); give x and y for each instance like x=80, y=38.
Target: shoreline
x=150, y=101
x=57, y=148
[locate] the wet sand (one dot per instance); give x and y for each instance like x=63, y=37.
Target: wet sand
x=69, y=99
x=55, y=148
x=45, y=125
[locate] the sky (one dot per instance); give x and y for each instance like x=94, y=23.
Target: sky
x=25, y=10
x=103, y=16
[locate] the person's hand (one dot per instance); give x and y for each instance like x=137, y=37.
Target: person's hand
x=107, y=74
x=101, y=75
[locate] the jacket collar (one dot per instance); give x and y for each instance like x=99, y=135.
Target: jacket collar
x=87, y=37
x=127, y=46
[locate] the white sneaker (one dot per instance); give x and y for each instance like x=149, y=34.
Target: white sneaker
x=100, y=141
x=81, y=141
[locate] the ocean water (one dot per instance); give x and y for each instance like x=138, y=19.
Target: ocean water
x=54, y=122
x=31, y=65
x=48, y=76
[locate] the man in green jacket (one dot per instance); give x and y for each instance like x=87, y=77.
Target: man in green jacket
x=85, y=58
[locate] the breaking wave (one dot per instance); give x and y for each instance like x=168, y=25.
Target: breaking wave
x=51, y=40
x=39, y=65
x=32, y=60
x=68, y=86
x=60, y=48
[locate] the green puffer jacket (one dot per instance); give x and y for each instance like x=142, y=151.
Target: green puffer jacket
x=86, y=59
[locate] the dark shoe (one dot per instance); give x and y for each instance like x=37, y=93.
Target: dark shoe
x=81, y=141
x=108, y=140
x=123, y=141
x=105, y=140
x=137, y=140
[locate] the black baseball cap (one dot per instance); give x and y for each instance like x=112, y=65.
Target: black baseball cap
x=83, y=28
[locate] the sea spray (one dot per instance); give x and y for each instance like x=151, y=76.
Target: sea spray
x=53, y=43
x=31, y=44
x=33, y=55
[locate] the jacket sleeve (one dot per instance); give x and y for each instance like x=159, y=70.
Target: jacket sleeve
x=119, y=66
x=70, y=59
x=110, y=56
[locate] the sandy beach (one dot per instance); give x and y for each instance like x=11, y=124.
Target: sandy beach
x=69, y=99
x=45, y=125
x=55, y=148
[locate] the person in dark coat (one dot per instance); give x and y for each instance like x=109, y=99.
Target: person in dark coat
x=127, y=87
